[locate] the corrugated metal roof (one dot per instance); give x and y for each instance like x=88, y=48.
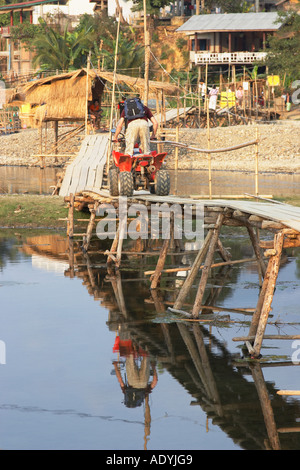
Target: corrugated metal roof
x=28, y=5
x=232, y=22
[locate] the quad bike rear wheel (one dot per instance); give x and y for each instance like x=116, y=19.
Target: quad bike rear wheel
x=162, y=183
x=113, y=178
x=126, y=183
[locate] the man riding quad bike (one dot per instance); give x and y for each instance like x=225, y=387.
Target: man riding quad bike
x=130, y=173
x=134, y=168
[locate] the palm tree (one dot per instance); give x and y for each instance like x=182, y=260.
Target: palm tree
x=57, y=51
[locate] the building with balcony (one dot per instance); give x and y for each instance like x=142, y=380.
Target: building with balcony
x=232, y=38
x=14, y=59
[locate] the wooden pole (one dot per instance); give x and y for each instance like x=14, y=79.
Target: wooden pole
x=160, y=264
x=289, y=392
x=256, y=164
x=266, y=406
x=123, y=227
x=193, y=272
x=55, y=138
x=113, y=92
x=70, y=228
x=147, y=54
x=87, y=92
x=176, y=158
x=90, y=226
x=208, y=134
x=207, y=265
x=269, y=293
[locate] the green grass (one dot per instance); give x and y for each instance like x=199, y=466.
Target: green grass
x=292, y=200
x=36, y=212
x=31, y=211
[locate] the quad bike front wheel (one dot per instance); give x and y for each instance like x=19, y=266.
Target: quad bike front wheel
x=113, y=185
x=162, y=183
x=126, y=183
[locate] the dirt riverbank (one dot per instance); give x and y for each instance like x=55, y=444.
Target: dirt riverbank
x=279, y=148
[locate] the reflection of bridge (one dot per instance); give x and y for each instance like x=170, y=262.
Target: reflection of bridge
x=192, y=354
x=198, y=361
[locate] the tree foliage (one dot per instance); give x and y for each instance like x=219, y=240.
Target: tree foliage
x=67, y=49
x=283, y=48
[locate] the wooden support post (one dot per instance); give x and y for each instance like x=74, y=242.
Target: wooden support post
x=225, y=255
x=70, y=228
x=193, y=272
x=113, y=249
x=274, y=263
x=266, y=406
x=123, y=228
x=257, y=251
x=207, y=265
x=160, y=264
x=90, y=227
x=55, y=138
x=71, y=258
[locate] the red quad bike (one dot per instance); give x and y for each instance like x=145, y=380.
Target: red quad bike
x=139, y=171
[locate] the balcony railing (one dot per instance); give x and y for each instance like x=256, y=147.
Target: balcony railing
x=5, y=31
x=227, y=57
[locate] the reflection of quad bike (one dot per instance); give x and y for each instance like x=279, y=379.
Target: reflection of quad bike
x=139, y=171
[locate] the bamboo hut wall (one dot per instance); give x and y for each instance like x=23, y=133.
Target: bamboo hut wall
x=67, y=99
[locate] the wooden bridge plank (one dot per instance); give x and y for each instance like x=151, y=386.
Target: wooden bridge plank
x=70, y=172
x=88, y=165
x=97, y=162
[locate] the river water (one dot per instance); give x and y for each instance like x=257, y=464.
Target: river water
x=41, y=181
x=91, y=360
x=73, y=340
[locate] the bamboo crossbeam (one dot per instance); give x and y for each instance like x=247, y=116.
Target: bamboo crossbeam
x=53, y=155
x=215, y=265
x=251, y=338
x=244, y=311
x=289, y=392
x=196, y=149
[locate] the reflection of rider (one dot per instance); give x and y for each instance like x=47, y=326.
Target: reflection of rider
x=135, y=387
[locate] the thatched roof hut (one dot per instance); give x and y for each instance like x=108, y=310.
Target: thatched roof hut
x=64, y=97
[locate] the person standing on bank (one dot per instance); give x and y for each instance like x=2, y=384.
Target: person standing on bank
x=136, y=115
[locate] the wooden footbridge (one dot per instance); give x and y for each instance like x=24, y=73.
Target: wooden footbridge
x=83, y=187
x=279, y=223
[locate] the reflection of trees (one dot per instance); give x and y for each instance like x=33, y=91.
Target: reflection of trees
x=298, y=263
x=232, y=392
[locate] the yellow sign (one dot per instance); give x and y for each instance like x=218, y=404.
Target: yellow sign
x=273, y=80
x=227, y=99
